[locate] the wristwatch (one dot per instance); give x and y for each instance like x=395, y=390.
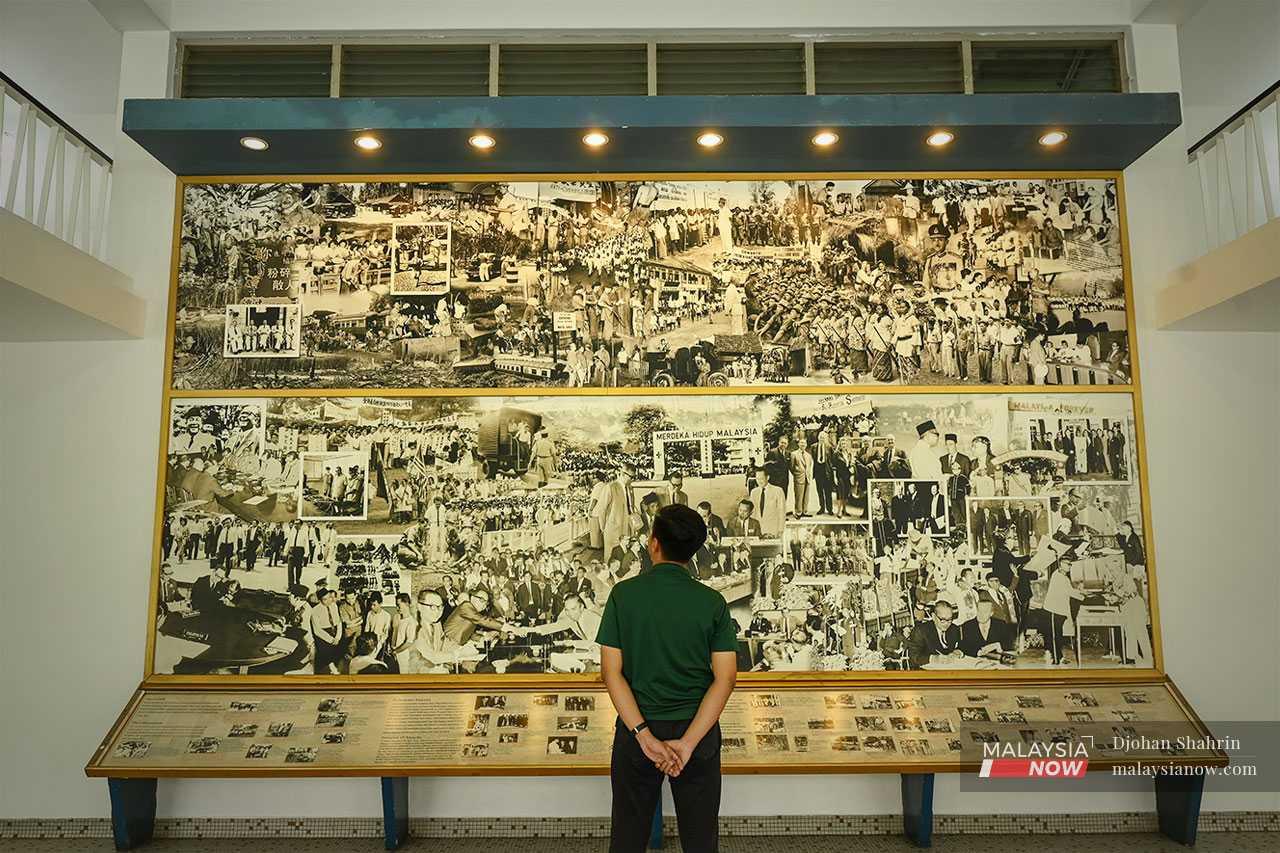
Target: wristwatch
x=640, y=726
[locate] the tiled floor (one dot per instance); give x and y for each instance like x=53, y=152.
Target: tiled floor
x=1215, y=842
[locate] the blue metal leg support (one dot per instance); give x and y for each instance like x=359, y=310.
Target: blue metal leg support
x=133, y=811
x=395, y=811
x=1178, y=806
x=917, y=808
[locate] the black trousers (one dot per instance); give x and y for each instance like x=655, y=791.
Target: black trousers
x=637, y=787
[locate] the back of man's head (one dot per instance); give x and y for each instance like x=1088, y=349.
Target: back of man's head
x=679, y=532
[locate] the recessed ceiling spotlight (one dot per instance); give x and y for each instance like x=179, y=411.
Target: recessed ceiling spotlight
x=595, y=139
x=483, y=141
x=709, y=139
x=254, y=143
x=368, y=142
x=824, y=138
x=1053, y=137
x=940, y=138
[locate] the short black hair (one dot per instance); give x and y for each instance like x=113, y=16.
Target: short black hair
x=680, y=532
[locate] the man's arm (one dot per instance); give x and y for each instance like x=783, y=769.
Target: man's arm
x=624, y=702
x=724, y=671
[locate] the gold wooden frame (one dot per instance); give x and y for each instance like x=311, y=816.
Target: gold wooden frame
x=152, y=680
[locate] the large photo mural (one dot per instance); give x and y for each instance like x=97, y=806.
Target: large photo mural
x=616, y=284
x=463, y=535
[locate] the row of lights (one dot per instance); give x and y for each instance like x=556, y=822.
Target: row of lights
x=707, y=139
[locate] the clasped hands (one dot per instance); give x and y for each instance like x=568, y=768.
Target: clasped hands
x=669, y=756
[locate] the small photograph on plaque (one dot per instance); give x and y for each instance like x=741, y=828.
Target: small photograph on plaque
x=132, y=749
x=546, y=700
x=846, y=743
x=489, y=701
x=770, y=725
x=938, y=726
x=279, y=729
x=815, y=725
x=1135, y=697
x=202, y=746
x=475, y=750
x=514, y=721
x=801, y=743
x=1125, y=716
x=1030, y=702
x=329, y=705
x=571, y=724
x=1010, y=717
x=955, y=744
x=878, y=703
x=300, y=755
x=509, y=737
x=562, y=745
x=247, y=730
x=871, y=724
x=257, y=751
x=879, y=743
x=579, y=703
x=906, y=724
x=733, y=744
x=477, y=725
x=915, y=746
x=334, y=720
x=984, y=737
x=772, y=743
x=334, y=737
x=1079, y=717
x=974, y=715
x=1087, y=700
x=763, y=700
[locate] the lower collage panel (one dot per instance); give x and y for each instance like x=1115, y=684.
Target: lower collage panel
x=482, y=534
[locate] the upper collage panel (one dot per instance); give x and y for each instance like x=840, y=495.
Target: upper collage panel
x=759, y=283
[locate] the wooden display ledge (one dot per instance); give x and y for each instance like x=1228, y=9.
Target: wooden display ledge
x=868, y=725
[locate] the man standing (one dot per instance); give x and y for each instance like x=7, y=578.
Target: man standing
x=801, y=477
x=956, y=466
x=824, y=454
x=925, y=463
x=770, y=503
x=668, y=653
x=617, y=509
x=678, y=494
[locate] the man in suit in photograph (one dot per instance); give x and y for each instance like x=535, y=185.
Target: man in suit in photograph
x=531, y=597
x=744, y=524
x=936, y=637
x=984, y=634
x=770, y=503
x=678, y=494
x=824, y=457
x=618, y=509
x=777, y=463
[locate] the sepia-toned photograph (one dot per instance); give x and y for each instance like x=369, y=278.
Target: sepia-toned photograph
x=655, y=283
x=482, y=535
x=262, y=331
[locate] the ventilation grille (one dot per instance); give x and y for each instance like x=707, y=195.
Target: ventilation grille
x=256, y=71
x=730, y=69
x=551, y=69
x=1084, y=66
x=845, y=68
x=415, y=70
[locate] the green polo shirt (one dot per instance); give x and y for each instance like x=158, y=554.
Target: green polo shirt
x=667, y=624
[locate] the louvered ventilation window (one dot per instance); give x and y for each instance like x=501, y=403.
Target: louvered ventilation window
x=415, y=70
x=256, y=71
x=860, y=68
x=731, y=69
x=550, y=69
x=1047, y=66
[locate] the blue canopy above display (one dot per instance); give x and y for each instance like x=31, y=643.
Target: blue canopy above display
x=761, y=133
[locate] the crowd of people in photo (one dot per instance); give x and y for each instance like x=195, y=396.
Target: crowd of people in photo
x=265, y=331
x=1091, y=449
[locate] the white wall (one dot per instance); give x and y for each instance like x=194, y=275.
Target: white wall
x=78, y=436
x=1230, y=53
x=67, y=56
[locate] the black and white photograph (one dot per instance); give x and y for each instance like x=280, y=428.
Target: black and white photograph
x=579, y=703
x=335, y=486
x=659, y=283
x=572, y=724
x=262, y=331
x=879, y=743
x=422, y=258
x=1096, y=449
x=279, y=729
x=509, y=737
x=301, y=755
x=332, y=719
x=477, y=725
x=1020, y=526
x=333, y=737
x=773, y=743
x=203, y=746
x=257, y=751
x=898, y=506
x=846, y=743
x=562, y=745
x=475, y=750
x=513, y=721
x=132, y=749
x=482, y=534
x=246, y=730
